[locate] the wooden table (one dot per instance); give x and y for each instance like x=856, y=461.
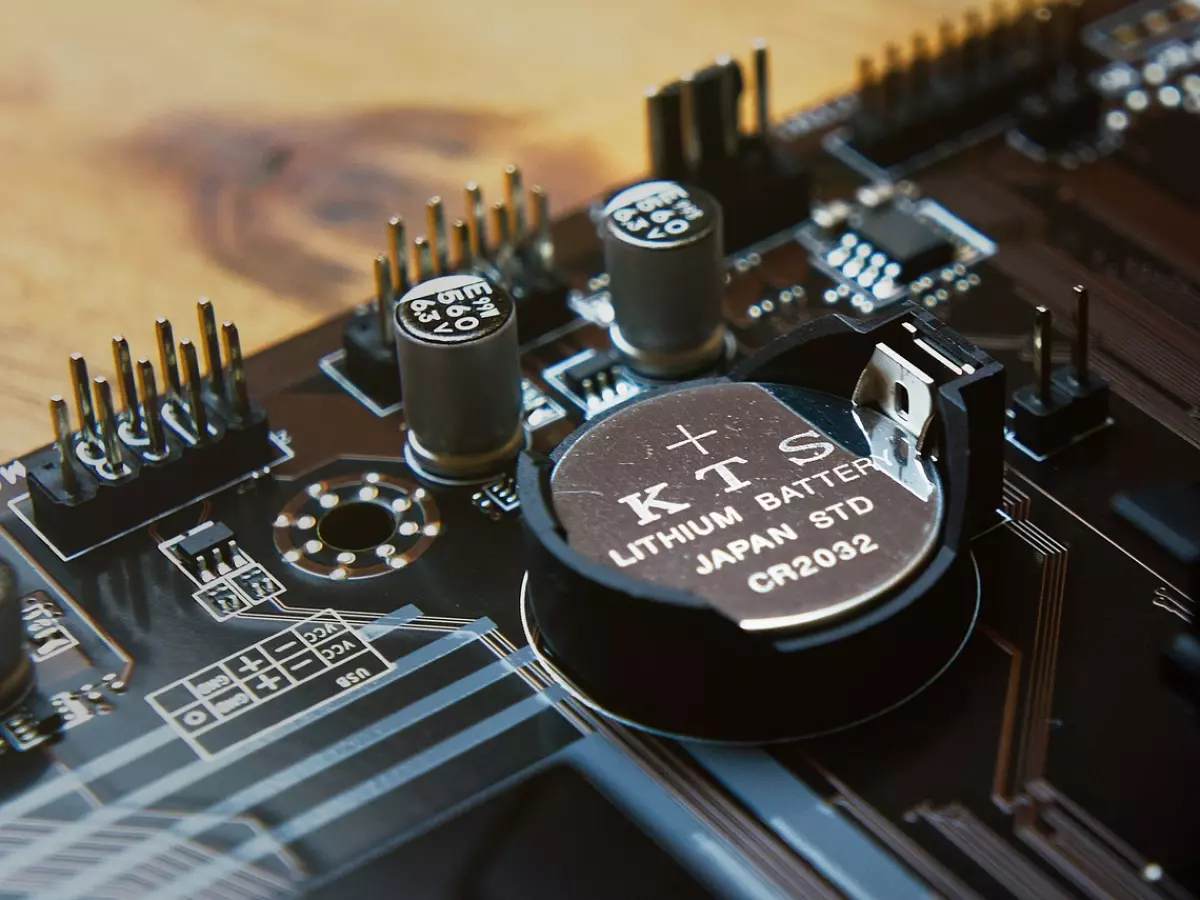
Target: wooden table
x=251, y=151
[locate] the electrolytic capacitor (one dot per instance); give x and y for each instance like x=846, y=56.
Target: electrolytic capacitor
x=664, y=253
x=456, y=340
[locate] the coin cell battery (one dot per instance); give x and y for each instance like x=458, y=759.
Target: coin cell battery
x=745, y=558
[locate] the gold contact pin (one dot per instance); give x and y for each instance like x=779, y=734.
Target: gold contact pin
x=1079, y=361
x=514, y=197
x=422, y=264
x=109, y=438
x=462, y=244
x=436, y=225
x=123, y=362
x=239, y=392
x=212, y=347
x=195, y=391
x=539, y=218
x=476, y=224
x=61, y=423
x=151, y=412
x=385, y=299
x=543, y=242
x=1043, y=349
x=397, y=242
x=500, y=222
x=82, y=387
x=172, y=386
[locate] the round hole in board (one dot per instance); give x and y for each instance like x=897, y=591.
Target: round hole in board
x=357, y=525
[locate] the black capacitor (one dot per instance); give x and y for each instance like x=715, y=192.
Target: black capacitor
x=664, y=252
x=456, y=341
x=16, y=670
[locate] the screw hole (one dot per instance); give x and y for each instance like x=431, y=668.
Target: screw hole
x=356, y=526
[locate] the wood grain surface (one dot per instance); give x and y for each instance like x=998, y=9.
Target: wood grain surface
x=153, y=152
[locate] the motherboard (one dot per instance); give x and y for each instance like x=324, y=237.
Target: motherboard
x=816, y=515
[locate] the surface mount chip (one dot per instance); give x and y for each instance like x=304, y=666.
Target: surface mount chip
x=913, y=245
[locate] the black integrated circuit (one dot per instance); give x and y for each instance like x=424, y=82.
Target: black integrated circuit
x=914, y=246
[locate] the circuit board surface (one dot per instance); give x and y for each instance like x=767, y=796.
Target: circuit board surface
x=242, y=691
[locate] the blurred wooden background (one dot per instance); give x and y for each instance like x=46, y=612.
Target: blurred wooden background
x=251, y=150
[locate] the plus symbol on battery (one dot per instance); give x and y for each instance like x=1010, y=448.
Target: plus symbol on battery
x=689, y=438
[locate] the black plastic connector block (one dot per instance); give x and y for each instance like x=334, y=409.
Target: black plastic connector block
x=761, y=195
x=370, y=361
x=910, y=108
x=892, y=136
x=102, y=508
x=1073, y=410
x=761, y=189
